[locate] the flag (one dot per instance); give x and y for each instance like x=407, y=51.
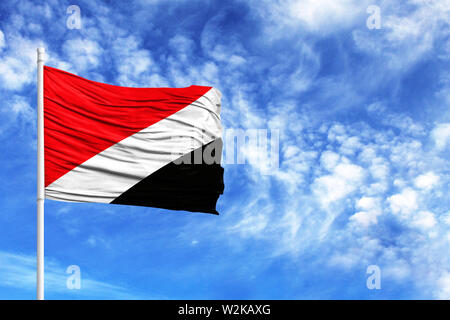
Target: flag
x=155, y=147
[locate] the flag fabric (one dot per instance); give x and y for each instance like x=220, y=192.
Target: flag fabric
x=156, y=147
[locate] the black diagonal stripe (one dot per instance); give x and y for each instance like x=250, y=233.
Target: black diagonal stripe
x=183, y=184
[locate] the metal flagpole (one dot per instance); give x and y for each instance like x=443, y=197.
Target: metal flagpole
x=40, y=175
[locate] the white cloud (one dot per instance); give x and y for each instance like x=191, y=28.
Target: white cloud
x=2, y=40
x=320, y=16
x=367, y=203
x=364, y=218
x=291, y=151
x=329, y=160
x=398, y=269
x=441, y=135
x=251, y=225
x=183, y=47
x=337, y=133
x=444, y=287
x=18, y=62
x=350, y=146
x=370, y=207
x=426, y=181
x=16, y=112
x=408, y=34
x=132, y=62
x=379, y=168
x=346, y=178
x=367, y=154
x=396, y=120
x=83, y=54
x=323, y=15
x=424, y=220
x=403, y=203
x=95, y=241
x=20, y=107
x=446, y=218
x=19, y=271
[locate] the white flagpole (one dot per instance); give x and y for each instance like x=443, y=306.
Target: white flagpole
x=40, y=175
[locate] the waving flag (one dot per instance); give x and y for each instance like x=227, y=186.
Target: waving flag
x=157, y=147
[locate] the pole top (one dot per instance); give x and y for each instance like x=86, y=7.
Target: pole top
x=40, y=54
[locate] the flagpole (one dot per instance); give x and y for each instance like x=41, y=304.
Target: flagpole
x=40, y=175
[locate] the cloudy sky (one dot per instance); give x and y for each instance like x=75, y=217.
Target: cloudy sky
x=364, y=130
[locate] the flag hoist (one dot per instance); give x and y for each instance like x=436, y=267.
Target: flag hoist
x=40, y=175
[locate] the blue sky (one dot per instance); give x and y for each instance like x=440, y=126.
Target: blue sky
x=363, y=117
